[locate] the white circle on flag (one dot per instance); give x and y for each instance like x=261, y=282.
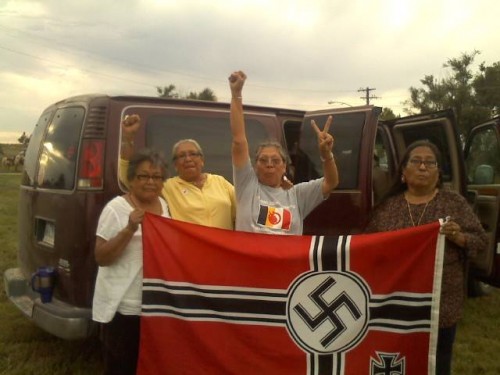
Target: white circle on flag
x=328, y=312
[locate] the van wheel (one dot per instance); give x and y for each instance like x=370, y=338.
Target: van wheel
x=476, y=288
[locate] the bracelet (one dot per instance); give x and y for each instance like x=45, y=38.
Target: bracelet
x=327, y=159
x=127, y=143
x=236, y=97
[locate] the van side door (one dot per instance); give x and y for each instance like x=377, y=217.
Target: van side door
x=482, y=160
x=439, y=128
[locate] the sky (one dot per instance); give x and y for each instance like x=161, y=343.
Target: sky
x=301, y=54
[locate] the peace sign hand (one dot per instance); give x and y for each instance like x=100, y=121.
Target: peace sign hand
x=325, y=140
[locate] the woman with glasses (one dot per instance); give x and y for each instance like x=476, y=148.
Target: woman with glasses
x=262, y=204
x=193, y=195
x=118, y=252
x=417, y=198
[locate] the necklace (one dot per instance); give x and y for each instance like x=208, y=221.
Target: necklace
x=421, y=215
x=151, y=207
x=200, y=182
x=132, y=200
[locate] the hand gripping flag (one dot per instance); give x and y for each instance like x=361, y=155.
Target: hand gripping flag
x=224, y=302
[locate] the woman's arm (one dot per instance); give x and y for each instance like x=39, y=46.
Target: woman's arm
x=464, y=228
x=239, y=149
x=130, y=126
x=325, y=144
x=106, y=252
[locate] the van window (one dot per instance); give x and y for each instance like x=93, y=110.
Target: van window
x=383, y=166
x=57, y=162
x=211, y=132
x=31, y=158
x=482, y=163
x=346, y=130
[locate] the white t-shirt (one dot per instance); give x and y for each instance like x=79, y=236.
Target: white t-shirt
x=118, y=286
x=264, y=209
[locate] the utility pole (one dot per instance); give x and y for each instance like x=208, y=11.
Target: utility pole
x=367, y=94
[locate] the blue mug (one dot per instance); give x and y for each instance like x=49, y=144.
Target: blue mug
x=43, y=282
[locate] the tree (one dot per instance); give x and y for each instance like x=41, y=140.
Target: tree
x=387, y=114
x=487, y=87
x=207, y=94
x=169, y=92
x=456, y=92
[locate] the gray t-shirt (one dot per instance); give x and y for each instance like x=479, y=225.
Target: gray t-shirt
x=264, y=209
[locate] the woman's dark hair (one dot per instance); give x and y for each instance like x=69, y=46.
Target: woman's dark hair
x=399, y=186
x=154, y=157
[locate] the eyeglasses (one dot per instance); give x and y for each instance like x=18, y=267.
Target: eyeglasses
x=146, y=177
x=191, y=155
x=429, y=164
x=266, y=161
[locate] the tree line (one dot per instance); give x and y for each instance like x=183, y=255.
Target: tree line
x=473, y=95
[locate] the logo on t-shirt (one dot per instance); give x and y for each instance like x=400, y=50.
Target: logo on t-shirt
x=273, y=217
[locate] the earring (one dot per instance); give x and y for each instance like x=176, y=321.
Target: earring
x=403, y=179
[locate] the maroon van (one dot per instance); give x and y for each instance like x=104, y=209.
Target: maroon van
x=71, y=172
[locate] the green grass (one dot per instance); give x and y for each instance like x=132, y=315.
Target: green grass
x=26, y=349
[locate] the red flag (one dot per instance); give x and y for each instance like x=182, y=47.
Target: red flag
x=225, y=302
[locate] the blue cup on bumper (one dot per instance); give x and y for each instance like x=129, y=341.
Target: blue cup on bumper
x=43, y=282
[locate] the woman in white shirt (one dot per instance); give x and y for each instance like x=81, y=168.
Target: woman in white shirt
x=118, y=252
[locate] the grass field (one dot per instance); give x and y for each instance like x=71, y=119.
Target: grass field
x=25, y=349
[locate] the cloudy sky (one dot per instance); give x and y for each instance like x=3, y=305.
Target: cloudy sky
x=297, y=53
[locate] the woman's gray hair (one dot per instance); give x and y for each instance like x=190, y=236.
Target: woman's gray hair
x=189, y=140
x=154, y=157
x=274, y=144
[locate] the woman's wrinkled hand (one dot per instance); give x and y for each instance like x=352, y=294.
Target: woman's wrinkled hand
x=135, y=218
x=325, y=139
x=130, y=126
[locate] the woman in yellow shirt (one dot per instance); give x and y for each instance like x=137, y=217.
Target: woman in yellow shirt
x=193, y=196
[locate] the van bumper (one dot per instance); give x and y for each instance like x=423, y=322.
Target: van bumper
x=57, y=318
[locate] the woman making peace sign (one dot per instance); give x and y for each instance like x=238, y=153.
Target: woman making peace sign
x=262, y=204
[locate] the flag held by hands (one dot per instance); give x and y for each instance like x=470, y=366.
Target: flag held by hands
x=226, y=302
